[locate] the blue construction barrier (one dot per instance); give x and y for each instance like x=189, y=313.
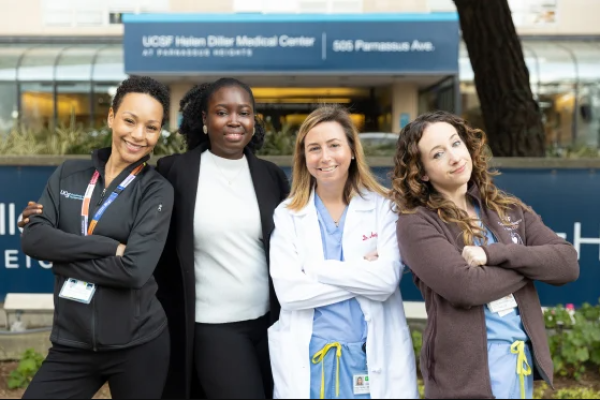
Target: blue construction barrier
x=567, y=199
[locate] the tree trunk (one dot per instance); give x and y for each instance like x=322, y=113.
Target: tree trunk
x=512, y=116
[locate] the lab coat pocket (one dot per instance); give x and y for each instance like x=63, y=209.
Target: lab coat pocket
x=281, y=374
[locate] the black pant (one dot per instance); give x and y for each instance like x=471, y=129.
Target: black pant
x=136, y=373
x=232, y=360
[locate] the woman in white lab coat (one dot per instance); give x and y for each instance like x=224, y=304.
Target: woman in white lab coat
x=336, y=268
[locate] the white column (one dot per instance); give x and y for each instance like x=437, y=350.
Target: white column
x=405, y=103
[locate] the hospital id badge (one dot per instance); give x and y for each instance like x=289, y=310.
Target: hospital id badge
x=503, y=306
x=79, y=291
x=361, y=384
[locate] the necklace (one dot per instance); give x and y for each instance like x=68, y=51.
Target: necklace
x=229, y=181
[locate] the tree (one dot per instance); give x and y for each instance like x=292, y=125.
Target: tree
x=511, y=114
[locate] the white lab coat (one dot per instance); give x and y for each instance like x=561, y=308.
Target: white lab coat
x=304, y=280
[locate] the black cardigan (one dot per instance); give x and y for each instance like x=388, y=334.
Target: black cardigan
x=175, y=273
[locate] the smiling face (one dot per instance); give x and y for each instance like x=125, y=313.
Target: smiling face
x=445, y=158
x=136, y=127
x=328, y=153
x=230, y=121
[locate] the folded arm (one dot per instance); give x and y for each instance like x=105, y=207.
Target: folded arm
x=43, y=240
x=376, y=280
x=440, y=266
x=144, y=246
x=296, y=290
x=546, y=257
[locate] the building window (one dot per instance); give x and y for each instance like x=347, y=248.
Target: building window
x=8, y=106
x=77, y=13
x=299, y=6
x=529, y=13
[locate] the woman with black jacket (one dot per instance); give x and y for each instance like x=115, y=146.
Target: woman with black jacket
x=105, y=243
x=213, y=277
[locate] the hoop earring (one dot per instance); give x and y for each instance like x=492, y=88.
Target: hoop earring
x=205, y=130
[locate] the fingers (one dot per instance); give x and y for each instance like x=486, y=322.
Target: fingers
x=474, y=256
x=121, y=250
x=468, y=254
x=32, y=209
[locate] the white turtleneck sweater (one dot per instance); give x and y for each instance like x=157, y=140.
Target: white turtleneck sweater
x=232, y=281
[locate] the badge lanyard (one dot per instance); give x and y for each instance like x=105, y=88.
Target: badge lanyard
x=85, y=208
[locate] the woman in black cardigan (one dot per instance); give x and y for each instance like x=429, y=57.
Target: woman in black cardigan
x=213, y=276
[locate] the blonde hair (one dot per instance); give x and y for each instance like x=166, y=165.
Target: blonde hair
x=409, y=191
x=359, y=176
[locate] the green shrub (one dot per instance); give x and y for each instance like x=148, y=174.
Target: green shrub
x=29, y=365
x=574, y=339
x=417, y=340
x=69, y=140
x=577, y=393
x=279, y=143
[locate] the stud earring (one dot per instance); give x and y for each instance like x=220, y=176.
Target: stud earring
x=205, y=129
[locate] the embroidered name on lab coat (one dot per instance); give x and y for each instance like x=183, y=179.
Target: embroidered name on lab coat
x=373, y=235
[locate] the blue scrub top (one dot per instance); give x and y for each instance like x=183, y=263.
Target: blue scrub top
x=510, y=327
x=344, y=321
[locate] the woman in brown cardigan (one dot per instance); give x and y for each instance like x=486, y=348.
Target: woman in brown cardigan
x=475, y=253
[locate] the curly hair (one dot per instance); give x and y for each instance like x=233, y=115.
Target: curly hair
x=409, y=191
x=196, y=101
x=144, y=85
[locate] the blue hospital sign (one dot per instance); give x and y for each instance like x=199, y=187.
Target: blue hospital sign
x=187, y=44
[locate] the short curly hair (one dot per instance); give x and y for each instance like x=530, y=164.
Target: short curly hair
x=144, y=85
x=196, y=101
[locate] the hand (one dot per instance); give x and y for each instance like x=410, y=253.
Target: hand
x=31, y=209
x=121, y=250
x=475, y=256
x=372, y=256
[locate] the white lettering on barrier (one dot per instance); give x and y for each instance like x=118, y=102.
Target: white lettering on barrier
x=13, y=260
x=578, y=240
x=10, y=259
x=9, y=219
x=12, y=222
x=2, y=219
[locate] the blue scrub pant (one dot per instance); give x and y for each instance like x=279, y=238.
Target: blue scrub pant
x=506, y=383
x=352, y=366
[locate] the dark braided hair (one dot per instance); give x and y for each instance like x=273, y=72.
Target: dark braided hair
x=196, y=101
x=144, y=85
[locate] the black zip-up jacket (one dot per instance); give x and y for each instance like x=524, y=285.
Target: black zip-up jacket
x=124, y=311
